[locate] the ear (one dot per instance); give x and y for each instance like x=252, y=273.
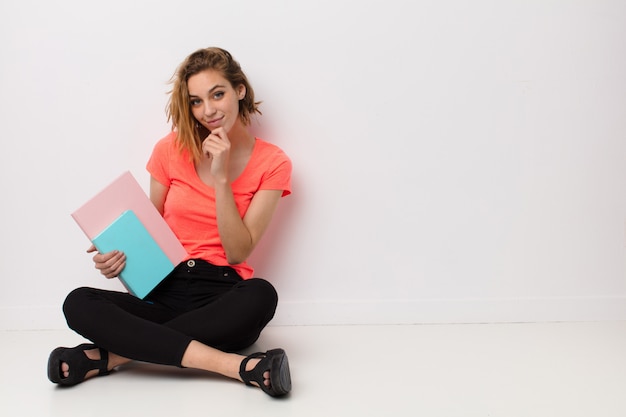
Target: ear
x=241, y=91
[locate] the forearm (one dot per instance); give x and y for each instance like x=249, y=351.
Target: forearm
x=235, y=236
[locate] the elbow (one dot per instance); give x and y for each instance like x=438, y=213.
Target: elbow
x=238, y=253
x=236, y=258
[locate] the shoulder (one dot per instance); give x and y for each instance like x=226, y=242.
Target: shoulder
x=167, y=143
x=168, y=147
x=165, y=158
x=269, y=151
x=271, y=166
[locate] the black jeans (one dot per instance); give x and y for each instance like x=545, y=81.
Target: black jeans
x=197, y=301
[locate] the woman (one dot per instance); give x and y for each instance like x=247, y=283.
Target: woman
x=217, y=186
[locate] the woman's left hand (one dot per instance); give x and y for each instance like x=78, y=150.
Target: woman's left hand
x=217, y=147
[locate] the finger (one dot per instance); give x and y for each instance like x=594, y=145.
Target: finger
x=108, y=262
x=219, y=136
x=214, y=150
x=219, y=133
x=115, y=270
x=92, y=248
x=210, y=146
x=213, y=142
x=106, y=258
x=216, y=145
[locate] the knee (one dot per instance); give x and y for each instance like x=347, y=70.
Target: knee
x=256, y=310
x=263, y=291
x=74, y=305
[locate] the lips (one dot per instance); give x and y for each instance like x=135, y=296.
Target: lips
x=214, y=122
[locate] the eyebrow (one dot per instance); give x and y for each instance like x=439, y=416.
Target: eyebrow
x=211, y=90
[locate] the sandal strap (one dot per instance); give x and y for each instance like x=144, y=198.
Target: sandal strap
x=253, y=374
x=100, y=364
x=103, y=363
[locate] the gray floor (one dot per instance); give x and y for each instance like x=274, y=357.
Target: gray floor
x=551, y=369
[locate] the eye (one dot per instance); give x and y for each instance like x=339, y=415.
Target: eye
x=195, y=102
x=218, y=95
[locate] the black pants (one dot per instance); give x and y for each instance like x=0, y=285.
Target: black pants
x=197, y=301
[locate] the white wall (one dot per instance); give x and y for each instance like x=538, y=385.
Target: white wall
x=455, y=161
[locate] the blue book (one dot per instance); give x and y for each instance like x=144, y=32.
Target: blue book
x=146, y=263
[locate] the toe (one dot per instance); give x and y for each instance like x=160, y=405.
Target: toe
x=65, y=369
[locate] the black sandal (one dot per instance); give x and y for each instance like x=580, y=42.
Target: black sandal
x=275, y=361
x=78, y=362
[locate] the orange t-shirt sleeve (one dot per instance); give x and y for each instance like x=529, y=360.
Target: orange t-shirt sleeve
x=158, y=163
x=278, y=177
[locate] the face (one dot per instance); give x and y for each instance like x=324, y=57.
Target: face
x=214, y=102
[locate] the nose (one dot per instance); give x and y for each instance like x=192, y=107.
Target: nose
x=208, y=109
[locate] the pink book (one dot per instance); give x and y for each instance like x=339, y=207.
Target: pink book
x=121, y=195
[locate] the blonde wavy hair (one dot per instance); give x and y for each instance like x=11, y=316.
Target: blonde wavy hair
x=179, y=107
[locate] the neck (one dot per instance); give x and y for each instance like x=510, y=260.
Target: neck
x=239, y=136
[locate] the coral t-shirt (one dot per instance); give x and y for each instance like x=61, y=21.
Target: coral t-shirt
x=190, y=204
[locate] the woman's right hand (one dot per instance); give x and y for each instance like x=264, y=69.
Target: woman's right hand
x=109, y=264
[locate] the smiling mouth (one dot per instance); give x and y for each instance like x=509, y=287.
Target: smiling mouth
x=214, y=121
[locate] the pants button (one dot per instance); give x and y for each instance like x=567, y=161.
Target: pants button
x=191, y=263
